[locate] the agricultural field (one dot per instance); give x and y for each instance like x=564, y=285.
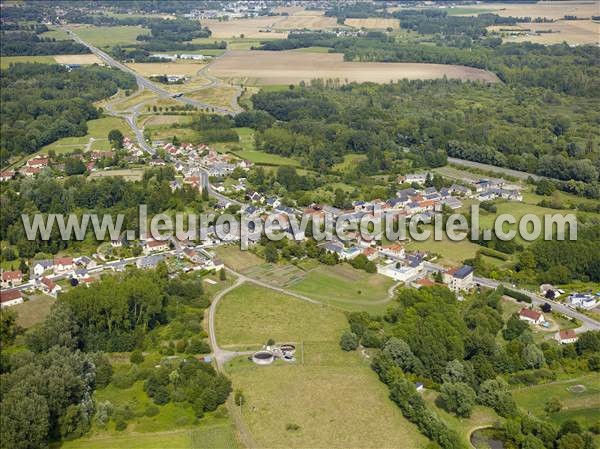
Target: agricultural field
x=255, y=28
x=578, y=32
x=105, y=36
x=325, y=398
x=78, y=59
x=373, y=23
x=237, y=259
x=284, y=67
x=578, y=396
x=151, y=120
x=548, y=9
x=187, y=68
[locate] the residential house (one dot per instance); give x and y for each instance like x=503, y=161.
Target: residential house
x=10, y=298
x=458, y=279
x=418, y=178
x=11, y=278
x=6, y=175
x=395, y=251
x=63, y=264
x=50, y=287
x=152, y=246
x=256, y=197
x=42, y=266
x=566, y=336
x=582, y=301
x=38, y=162
x=531, y=316
x=460, y=190
x=273, y=202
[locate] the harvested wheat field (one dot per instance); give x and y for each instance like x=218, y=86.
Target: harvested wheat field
x=574, y=32
x=273, y=67
x=373, y=23
x=256, y=27
x=311, y=22
x=77, y=59
x=550, y=10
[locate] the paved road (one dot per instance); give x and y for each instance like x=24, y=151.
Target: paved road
x=143, y=82
x=500, y=170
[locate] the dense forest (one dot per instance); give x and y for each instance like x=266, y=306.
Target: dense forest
x=16, y=40
x=470, y=355
x=524, y=129
x=42, y=103
x=48, y=385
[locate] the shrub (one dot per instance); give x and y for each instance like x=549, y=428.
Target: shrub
x=121, y=380
x=120, y=425
x=349, y=341
x=151, y=410
x=136, y=357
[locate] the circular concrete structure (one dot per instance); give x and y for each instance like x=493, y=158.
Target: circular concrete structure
x=263, y=358
x=288, y=349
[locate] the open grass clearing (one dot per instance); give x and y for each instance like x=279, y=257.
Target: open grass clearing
x=480, y=417
x=345, y=287
x=254, y=28
x=221, y=96
x=237, y=259
x=285, y=67
x=326, y=398
x=578, y=403
x=129, y=174
x=151, y=119
x=33, y=311
x=349, y=162
x=279, y=275
x=97, y=129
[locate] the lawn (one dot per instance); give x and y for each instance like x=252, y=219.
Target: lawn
x=583, y=406
x=105, y=36
x=327, y=398
x=451, y=253
x=130, y=174
x=250, y=315
x=345, y=287
x=349, y=162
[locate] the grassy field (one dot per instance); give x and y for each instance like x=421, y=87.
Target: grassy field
x=33, y=311
x=130, y=174
x=349, y=162
x=346, y=287
x=222, y=96
x=104, y=36
x=180, y=67
x=450, y=252
x=285, y=67
x=324, y=400
x=97, y=129
x=78, y=59
x=244, y=149
x=250, y=315
x=236, y=259
x=5, y=61
x=583, y=406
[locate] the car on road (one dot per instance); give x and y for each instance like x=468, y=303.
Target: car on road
x=180, y=94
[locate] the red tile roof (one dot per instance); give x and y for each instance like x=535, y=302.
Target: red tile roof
x=50, y=285
x=63, y=261
x=567, y=334
x=10, y=295
x=531, y=314
x=11, y=275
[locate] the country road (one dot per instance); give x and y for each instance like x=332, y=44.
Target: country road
x=500, y=170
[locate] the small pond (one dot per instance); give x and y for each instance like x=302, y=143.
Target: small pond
x=487, y=439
